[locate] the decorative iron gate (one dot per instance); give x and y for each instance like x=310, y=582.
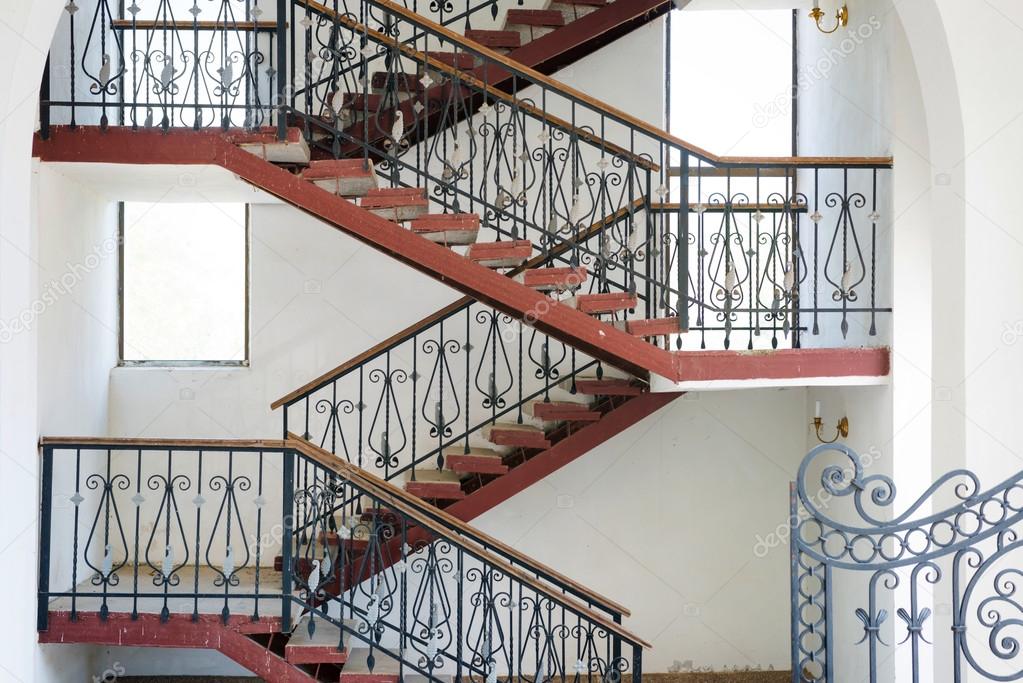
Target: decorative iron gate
x=878, y=595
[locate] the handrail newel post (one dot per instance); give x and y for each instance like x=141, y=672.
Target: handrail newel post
x=45, y=515
x=44, y=101
x=683, y=245
x=616, y=653
x=287, y=528
x=637, y=663
x=282, y=65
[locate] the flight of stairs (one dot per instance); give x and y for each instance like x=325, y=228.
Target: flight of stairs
x=357, y=181
x=506, y=444
x=391, y=92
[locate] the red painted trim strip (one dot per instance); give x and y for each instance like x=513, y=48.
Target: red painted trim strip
x=122, y=145
x=475, y=464
x=433, y=490
x=314, y=654
x=782, y=364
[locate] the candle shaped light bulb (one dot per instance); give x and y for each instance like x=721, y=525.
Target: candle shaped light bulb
x=817, y=409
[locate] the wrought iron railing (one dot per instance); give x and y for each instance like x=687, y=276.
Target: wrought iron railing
x=196, y=527
x=184, y=63
x=160, y=527
x=436, y=602
x=539, y=160
x=880, y=591
x=403, y=407
x=536, y=159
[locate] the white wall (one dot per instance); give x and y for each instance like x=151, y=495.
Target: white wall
x=973, y=372
x=681, y=518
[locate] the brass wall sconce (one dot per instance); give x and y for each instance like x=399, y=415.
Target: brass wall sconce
x=841, y=429
x=841, y=17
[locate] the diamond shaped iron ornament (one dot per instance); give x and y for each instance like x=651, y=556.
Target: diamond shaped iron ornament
x=816, y=217
x=71, y=8
x=138, y=499
x=134, y=9
x=198, y=501
x=77, y=499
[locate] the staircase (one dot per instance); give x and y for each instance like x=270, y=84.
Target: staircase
x=372, y=585
x=591, y=249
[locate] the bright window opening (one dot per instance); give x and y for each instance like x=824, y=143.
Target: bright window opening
x=184, y=283
x=730, y=86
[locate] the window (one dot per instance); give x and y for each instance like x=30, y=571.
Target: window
x=730, y=80
x=184, y=283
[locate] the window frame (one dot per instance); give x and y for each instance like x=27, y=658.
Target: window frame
x=122, y=362
x=794, y=77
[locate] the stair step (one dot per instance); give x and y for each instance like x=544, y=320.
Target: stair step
x=358, y=537
x=562, y=411
x=576, y=9
x=385, y=669
x=456, y=60
x=319, y=648
x=264, y=144
x=608, y=386
x=651, y=327
x=536, y=17
x=508, y=254
x=385, y=515
x=448, y=228
x=553, y=279
x=396, y=203
x=476, y=461
x=346, y=177
x=516, y=435
x=435, y=484
x=403, y=81
x=492, y=39
x=358, y=101
x=610, y=302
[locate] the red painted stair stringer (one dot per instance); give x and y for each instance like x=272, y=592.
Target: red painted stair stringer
x=566, y=450
x=123, y=145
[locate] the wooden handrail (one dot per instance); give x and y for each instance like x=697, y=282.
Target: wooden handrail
x=185, y=25
x=733, y=207
x=451, y=308
x=193, y=444
x=615, y=113
x=464, y=77
x=402, y=501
